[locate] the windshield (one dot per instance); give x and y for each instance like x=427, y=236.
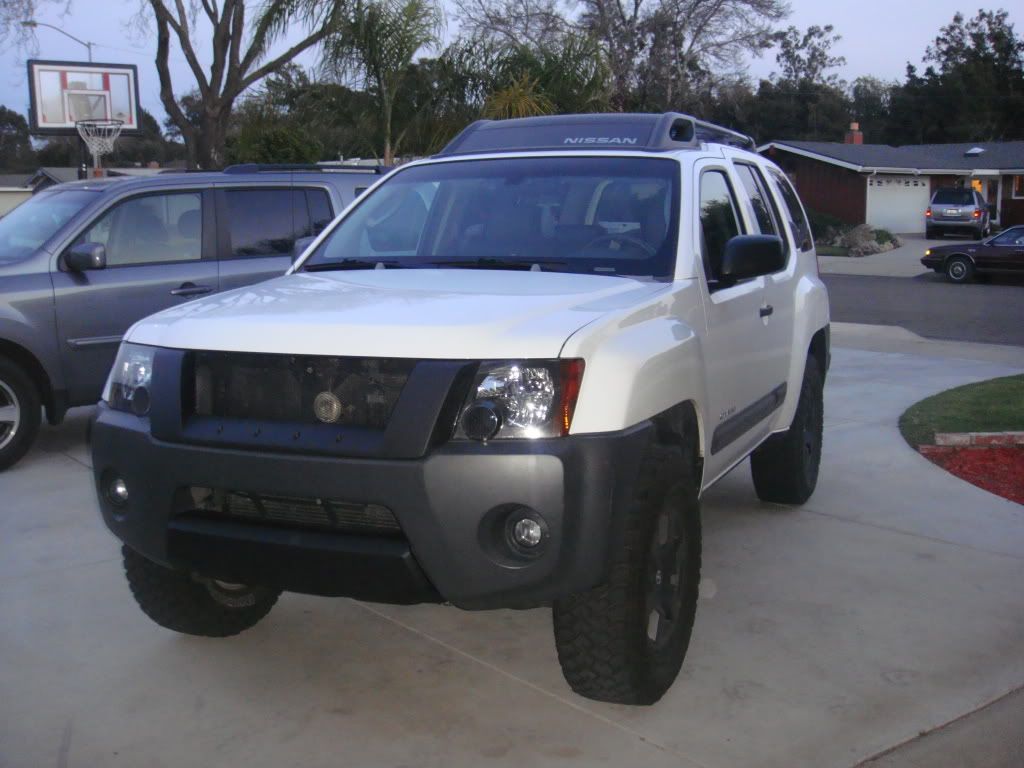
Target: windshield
x=594, y=215
x=954, y=197
x=31, y=224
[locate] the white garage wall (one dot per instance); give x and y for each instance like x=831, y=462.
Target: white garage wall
x=897, y=203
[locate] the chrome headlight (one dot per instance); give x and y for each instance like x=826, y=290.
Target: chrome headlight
x=129, y=382
x=526, y=399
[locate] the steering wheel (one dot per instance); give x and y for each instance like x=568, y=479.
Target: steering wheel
x=643, y=245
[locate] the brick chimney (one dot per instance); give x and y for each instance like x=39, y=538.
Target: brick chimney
x=854, y=136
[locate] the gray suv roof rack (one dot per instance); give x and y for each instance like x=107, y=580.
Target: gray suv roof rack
x=629, y=132
x=284, y=167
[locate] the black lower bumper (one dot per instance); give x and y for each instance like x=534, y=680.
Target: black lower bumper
x=452, y=507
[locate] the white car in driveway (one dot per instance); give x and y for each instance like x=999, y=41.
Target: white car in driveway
x=501, y=378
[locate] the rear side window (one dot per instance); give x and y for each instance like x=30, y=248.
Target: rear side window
x=953, y=197
x=719, y=220
x=267, y=222
x=765, y=215
x=320, y=212
x=797, y=220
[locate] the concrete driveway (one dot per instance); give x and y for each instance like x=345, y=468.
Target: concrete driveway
x=904, y=261
x=887, y=606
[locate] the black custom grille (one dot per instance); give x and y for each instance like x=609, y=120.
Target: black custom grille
x=320, y=514
x=301, y=389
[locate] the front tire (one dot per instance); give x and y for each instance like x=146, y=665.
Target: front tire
x=624, y=641
x=180, y=601
x=785, y=466
x=20, y=413
x=960, y=269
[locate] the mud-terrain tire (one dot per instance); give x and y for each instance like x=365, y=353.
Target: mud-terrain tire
x=603, y=636
x=20, y=413
x=785, y=466
x=177, y=600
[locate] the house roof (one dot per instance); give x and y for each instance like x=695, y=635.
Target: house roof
x=14, y=179
x=996, y=155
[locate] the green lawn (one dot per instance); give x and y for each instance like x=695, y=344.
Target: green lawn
x=832, y=250
x=996, y=405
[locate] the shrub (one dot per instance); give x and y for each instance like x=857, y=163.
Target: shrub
x=273, y=144
x=825, y=226
x=883, y=236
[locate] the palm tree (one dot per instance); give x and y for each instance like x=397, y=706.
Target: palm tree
x=375, y=44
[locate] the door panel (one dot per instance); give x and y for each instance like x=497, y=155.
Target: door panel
x=155, y=250
x=737, y=355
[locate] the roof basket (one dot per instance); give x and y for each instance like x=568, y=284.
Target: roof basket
x=627, y=132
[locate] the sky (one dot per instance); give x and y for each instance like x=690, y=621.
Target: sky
x=879, y=38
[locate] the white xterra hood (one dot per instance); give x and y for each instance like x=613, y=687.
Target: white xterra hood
x=416, y=313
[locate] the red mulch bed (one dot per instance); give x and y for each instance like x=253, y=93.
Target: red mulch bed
x=999, y=470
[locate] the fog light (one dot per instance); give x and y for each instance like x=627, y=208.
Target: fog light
x=482, y=420
x=527, y=533
x=117, y=491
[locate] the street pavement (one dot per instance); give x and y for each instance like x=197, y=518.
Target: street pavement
x=990, y=312
x=887, y=606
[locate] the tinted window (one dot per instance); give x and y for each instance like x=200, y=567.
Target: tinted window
x=1012, y=236
x=320, y=211
x=795, y=213
x=754, y=185
x=953, y=197
x=582, y=214
x=150, y=230
x=25, y=228
x=719, y=221
x=260, y=222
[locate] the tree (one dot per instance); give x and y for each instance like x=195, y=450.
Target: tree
x=375, y=45
x=870, y=106
x=239, y=57
x=15, y=144
x=807, y=57
x=533, y=23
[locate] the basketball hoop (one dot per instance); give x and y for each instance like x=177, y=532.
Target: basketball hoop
x=99, y=136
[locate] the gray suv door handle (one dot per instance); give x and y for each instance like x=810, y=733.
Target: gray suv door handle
x=191, y=289
x=766, y=310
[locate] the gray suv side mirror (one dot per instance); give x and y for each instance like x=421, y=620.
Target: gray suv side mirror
x=749, y=256
x=85, y=256
x=301, y=244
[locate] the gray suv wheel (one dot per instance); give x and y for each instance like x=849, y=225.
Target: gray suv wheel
x=19, y=413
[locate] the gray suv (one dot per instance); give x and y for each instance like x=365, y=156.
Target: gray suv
x=81, y=262
x=957, y=209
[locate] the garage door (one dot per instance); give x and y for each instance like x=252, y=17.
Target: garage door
x=897, y=203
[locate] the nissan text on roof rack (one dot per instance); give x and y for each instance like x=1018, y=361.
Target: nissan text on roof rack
x=501, y=378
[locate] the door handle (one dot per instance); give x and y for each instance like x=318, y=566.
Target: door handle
x=191, y=289
x=766, y=310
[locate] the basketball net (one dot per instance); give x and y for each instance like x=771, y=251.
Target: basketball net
x=99, y=136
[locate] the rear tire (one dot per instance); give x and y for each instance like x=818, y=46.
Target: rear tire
x=959, y=269
x=624, y=641
x=184, y=603
x=785, y=466
x=20, y=412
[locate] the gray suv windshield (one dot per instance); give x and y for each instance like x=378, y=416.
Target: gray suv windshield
x=32, y=223
x=595, y=215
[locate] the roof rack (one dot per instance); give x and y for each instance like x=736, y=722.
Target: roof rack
x=628, y=132
x=284, y=167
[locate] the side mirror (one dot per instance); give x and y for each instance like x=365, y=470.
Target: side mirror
x=749, y=256
x=301, y=244
x=85, y=256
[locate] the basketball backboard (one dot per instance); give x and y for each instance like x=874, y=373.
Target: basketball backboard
x=63, y=92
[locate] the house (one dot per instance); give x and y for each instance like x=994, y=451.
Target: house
x=14, y=190
x=890, y=187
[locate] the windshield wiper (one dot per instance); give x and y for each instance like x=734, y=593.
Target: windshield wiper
x=536, y=265
x=328, y=266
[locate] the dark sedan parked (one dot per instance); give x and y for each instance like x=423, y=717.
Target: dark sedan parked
x=961, y=262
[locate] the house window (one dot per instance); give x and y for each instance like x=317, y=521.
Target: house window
x=1018, y=187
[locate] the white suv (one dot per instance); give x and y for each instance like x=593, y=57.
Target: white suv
x=501, y=378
